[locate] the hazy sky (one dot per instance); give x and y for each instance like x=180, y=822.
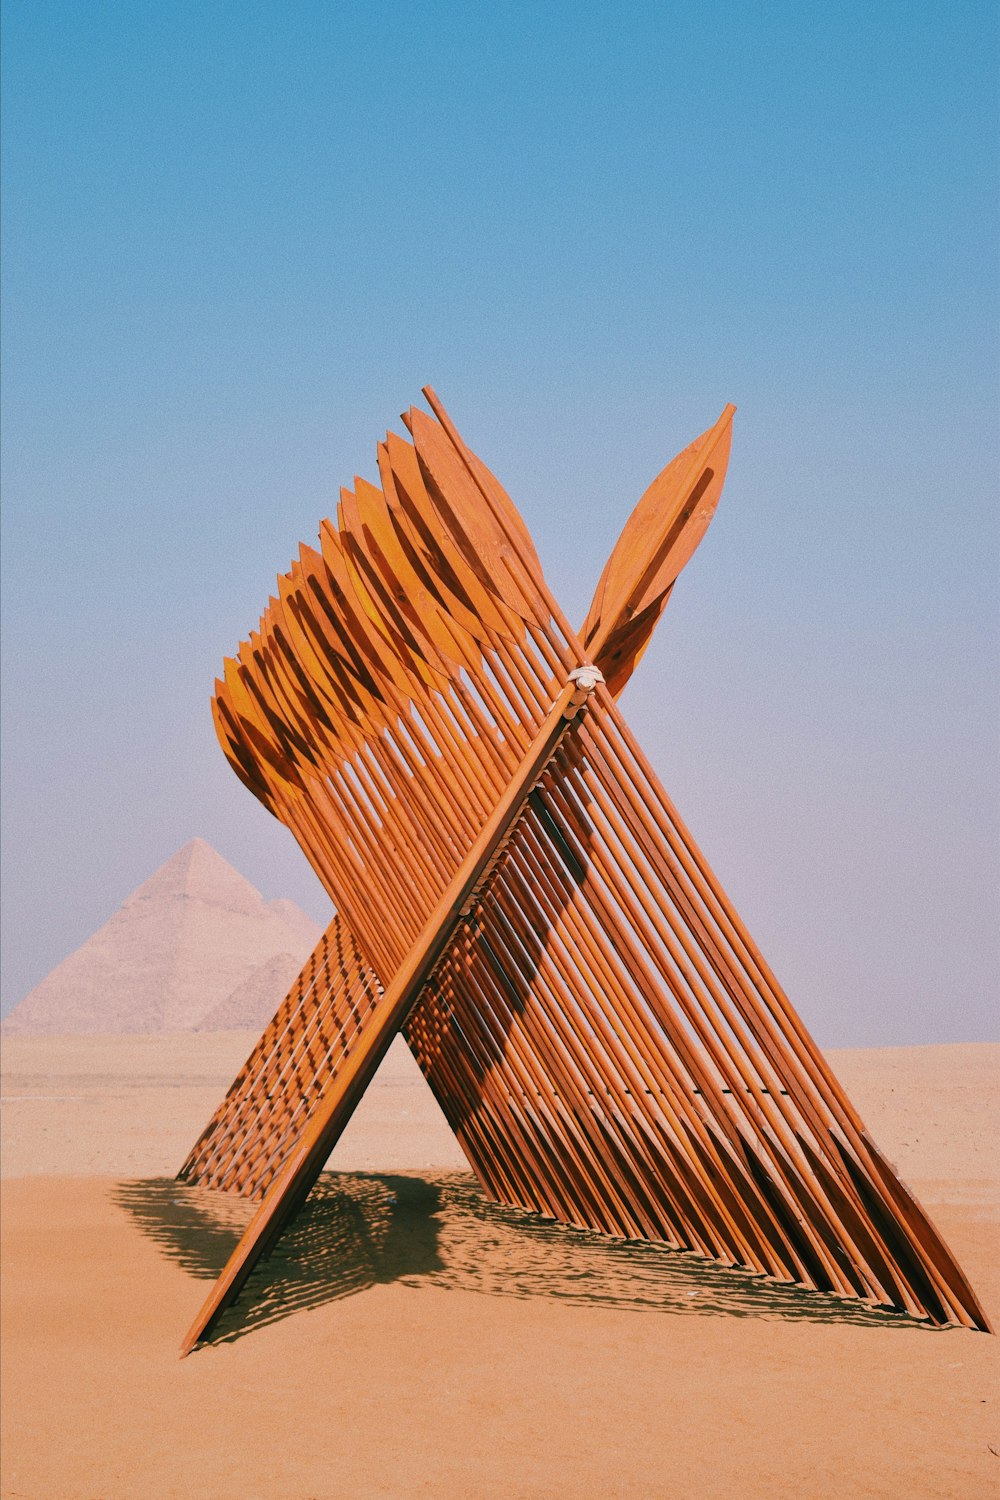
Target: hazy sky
x=240, y=236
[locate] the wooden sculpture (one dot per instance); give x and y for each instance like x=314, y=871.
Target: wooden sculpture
x=516, y=894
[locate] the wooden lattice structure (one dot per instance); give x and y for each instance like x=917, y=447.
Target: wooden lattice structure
x=516, y=893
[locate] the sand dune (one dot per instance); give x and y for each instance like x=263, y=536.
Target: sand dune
x=410, y=1339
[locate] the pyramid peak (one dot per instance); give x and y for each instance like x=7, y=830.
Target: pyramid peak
x=197, y=872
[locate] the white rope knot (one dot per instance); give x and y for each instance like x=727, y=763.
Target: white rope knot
x=585, y=680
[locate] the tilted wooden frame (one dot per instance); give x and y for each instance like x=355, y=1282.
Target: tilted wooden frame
x=517, y=895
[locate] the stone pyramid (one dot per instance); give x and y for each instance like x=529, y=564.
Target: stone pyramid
x=173, y=952
x=254, y=1001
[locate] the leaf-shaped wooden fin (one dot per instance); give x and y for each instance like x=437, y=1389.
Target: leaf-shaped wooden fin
x=486, y=543
x=500, y=503
x=659, y=538
x=437, y=548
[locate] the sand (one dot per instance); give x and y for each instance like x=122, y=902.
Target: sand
x=408, y=1339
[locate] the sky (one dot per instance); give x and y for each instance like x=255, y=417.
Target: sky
x=239, y=237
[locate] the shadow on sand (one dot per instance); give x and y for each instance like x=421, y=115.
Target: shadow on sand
x=360, y=1229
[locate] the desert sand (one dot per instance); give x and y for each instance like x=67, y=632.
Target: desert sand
x=409, y=1339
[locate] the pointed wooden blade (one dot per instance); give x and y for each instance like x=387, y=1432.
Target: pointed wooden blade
x=659, y=538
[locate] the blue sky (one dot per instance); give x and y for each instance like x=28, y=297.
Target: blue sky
x=239, y=237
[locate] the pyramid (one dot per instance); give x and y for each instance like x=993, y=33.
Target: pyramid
x=254, y=1001
x=174, y=951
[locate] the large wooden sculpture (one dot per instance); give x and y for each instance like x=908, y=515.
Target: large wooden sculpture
x=516, y=893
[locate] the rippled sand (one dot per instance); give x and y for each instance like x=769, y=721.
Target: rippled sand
x=408, y=1338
